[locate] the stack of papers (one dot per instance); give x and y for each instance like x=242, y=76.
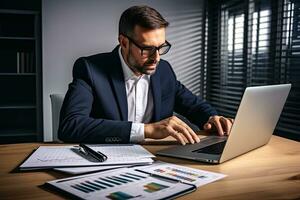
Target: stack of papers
x=130, y=174
x=158, y=181
x=85, y=170
x=46, y=157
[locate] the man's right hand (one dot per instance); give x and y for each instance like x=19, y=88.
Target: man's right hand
x=171, y=126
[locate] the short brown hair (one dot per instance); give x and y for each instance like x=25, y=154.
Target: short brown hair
x=143, y=16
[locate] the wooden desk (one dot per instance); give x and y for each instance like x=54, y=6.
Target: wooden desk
x=270, y=172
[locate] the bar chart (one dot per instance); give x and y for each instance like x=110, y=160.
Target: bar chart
x=184, y=174
x=119, y=196
x=105, y=182
x=121, y=184
x=180, y=174
x=154, y=187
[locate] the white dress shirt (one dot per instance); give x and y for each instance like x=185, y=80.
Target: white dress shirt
x=139, y=101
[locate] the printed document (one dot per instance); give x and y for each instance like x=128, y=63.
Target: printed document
x=71, y=156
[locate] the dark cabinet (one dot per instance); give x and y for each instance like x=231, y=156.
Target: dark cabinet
x=20, y=76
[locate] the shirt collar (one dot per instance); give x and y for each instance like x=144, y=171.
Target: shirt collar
x=127, y=72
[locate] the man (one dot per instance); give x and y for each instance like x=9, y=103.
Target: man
x=130, y=94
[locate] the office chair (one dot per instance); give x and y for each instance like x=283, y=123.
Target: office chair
x=56, y=103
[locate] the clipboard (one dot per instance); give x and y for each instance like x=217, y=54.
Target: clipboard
x=122, y=184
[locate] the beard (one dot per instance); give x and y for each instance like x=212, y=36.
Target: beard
x=148, y=68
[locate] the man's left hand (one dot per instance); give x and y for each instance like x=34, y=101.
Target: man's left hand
x=219, y=124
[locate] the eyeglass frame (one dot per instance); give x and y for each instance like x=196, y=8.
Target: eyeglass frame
x=150, y=47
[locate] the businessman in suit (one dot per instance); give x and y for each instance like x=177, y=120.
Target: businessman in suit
x=130, y=94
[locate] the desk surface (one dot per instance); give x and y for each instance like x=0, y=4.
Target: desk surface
x=270, y=172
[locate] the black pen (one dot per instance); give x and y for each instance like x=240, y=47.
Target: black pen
x=95, y=154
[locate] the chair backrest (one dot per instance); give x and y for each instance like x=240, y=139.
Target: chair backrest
x=56, y=103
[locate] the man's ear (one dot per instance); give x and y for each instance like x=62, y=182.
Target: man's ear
x=123, y=41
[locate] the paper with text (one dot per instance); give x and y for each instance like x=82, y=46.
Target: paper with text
x=70, y=156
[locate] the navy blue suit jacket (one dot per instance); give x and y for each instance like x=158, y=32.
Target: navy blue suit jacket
x=95, y=106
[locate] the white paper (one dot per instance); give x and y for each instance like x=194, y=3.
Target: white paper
x=123, y=150
x=184, y=174
x=70, y=156
x=83, y=170
x=120, y=184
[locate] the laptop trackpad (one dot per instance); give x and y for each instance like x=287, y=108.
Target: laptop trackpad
x=210, y=145
x=216, y=148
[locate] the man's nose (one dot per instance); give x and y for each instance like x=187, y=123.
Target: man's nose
x=156, y=56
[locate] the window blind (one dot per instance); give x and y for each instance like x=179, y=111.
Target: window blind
x=252, y=43
x=185, y=35
x=287, y=62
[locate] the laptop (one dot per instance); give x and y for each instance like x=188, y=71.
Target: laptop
x=254, y=124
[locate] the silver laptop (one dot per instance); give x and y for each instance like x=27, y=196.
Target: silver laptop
x=254, y=124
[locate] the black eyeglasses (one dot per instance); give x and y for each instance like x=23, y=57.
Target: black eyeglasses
x=148, y=51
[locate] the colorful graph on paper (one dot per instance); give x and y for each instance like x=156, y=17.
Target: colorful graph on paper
x=120, y=196
x=154, y=187
x=105, y=182
x=181, y=173
x=121, y=184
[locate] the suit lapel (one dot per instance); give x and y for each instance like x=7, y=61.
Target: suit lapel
x=156, y=92
x=118, y=83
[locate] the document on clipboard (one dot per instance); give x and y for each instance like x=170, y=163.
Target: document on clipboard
x=125, y=183
x=157, y=181
x=46, y=157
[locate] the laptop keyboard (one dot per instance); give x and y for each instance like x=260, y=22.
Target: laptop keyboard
x=212, y=149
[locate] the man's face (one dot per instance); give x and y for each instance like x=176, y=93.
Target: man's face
x=138, y=62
